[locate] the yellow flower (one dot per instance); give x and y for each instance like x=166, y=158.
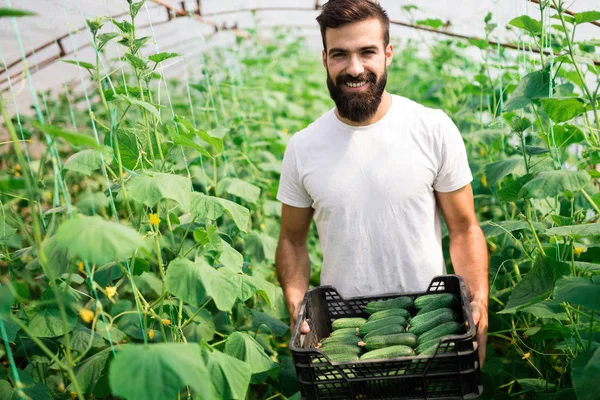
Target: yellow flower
x=166, y=321
x=526, y=356
x=80, y=266
x=482, y=151
x=484, y=181
x=151, y=334
x=263, y=227
x=110, y=291
x=558, y=369
x=285, y=130
x=17, y=167
x=578, y=250
x=86, y=315
x=17, y=174
x=73, y=395
x=154, y=220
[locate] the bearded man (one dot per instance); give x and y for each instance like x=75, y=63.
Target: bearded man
x=374, y=172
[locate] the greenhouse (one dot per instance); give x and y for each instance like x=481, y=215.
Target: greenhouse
x=307, y=199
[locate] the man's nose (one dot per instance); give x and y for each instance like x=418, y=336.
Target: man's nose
x=355, y=67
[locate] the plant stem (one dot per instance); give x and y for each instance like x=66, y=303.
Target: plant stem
x=191, y=318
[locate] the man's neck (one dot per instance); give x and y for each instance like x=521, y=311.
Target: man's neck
x=384, y=106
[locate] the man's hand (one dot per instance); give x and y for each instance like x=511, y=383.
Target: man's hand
x=480, y=318
x=294, y=317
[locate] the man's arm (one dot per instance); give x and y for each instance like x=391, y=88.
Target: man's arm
x=291, y=258
x=468, y=252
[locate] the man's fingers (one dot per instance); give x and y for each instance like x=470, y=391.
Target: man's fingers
x=305, y=328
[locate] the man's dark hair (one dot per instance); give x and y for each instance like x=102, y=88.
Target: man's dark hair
x=336, y=13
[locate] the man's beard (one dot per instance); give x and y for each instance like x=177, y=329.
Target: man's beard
x=357, y=106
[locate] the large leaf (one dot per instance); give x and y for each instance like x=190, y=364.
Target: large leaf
x=243, y=347
x=6, y=231
x=576, y=290
x=187, y=142
x=97, y=240
x=151, y=108
x=231, y=258
x=585, y=374
x=240, y=188
x=532, y=86
x=129, y=147
x=499, y=169
x=82, y=338
x=535, y=384
x=239, y=214
x=82, y=64
x=159, y=371
x=46, y=320
x=87, y=161
x=587, y=16
x=275, y=326
x=492, y=229
x=563, y=110
x=552, y=183
x=31, y=388
x=13, y=12
x=260, y=246
x=152, y=187
x=203, y=206
x=229, y=375
x=194, y=281
x=76, y=139
x=547, y=309
x=575, y=230
x=160, y=57
x=530, y=25
x=90, y=371
x=536, y=285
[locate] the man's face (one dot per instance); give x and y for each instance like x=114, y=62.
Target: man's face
x=356, y=63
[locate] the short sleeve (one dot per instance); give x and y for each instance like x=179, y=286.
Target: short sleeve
x=291, y=191
x=454, y=171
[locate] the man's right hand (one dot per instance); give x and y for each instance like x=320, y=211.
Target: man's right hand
x=294, y=317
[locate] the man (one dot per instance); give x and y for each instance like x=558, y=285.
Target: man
x=373, y=173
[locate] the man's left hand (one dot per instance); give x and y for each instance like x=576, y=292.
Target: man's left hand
x=480, y=318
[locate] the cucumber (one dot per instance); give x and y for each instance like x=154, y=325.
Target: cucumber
x=342, y=323
x=380, y=323
x=438, y=300
x=447, y=328
x=441, y=318
x=388, y=352
x=429, y=347
x=392, y=312
x=379, y=342
x=426, y=345
x=420, y=319
x=344, y=339
x=337, y=348
x=345, y=332
x=386, y=330
x=341, y=358
x=398, y=302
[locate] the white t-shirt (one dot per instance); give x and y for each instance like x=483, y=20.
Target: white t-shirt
x=372, y=189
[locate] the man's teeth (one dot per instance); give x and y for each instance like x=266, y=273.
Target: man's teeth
x=357, y=84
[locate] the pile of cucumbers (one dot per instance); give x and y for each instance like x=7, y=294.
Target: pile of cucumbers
x=391, y=331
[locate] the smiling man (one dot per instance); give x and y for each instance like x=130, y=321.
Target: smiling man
x=373, y=173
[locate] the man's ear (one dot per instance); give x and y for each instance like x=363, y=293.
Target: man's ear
x=389, y=54
x=324, y=58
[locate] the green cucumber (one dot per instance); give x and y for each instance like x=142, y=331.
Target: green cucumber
x=439, y=319
x=388, y=352
x=379, y=342
x=386, y=330
x=438, y=300
x=344, y=339
x=341, y=358
x=345, y=332
x=398, y=302
x=423, y=318
x=380, y=323
x=447, y=328
x=340, y=349
x=392, y=312
x=429, y=348
x=426, y=345
x=342, y=323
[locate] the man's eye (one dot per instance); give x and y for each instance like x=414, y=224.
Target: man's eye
x=337, y=55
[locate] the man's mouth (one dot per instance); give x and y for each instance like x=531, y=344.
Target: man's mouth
x=356, y=85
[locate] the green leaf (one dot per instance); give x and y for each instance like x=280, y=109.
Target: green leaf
x=586, y=266
x=563, y=110
x=552, y=183
x=6, y=231
x=110, y=332
x=159, y=371
x=239, y=214
x=492, y=229
x=10, y=327
x=82, y=64
x=129, y=147
x=203, y=206
x=499, y=169
x=186, y=142
x=260, y=319
x=91, y=203
x=82, y=338
x=75, y=139
x=104, y=38
x=46, y=320
x=194, y=281
x=160, y=57
x=87, y=161
x=123, y=26
x=188, y=128
x=585, y=374
x=434, y=23
x=532, y=86
x=136, y=62
x=7, y=300
x=31, y=388
x=511, y=191
x=138, y=44
x=231, y=258
x=243, y=347
x=209, y=237
x=229, y=375
x=89, y=372
x=97, y=240
x=260, y=246
x=201, y=328
x=566, y=134
x=547, y=309
x=578, y=290
x=536, y=285
x=575, y=230
x=587, y=16
x=135, y=102
x=535, y=384
x=530, y=25
x=250, y=285
x=135, y=8
x=240, y=188
x=57, y=257
x=13, y=12
x=152, y=187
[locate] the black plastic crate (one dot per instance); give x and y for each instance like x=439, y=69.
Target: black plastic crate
x=451, y=373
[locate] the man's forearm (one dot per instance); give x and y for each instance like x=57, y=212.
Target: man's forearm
x=293, y=270
x=468, y=251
